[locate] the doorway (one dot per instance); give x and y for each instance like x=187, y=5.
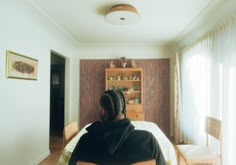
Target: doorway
x=57, y=93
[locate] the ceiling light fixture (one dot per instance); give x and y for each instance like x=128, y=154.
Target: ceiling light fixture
x=122, y=14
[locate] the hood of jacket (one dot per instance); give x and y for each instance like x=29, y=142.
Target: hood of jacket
x=113, y=133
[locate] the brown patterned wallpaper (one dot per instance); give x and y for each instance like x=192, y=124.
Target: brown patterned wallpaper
x=156, y=89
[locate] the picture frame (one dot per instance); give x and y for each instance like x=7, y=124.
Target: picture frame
x=20, y=66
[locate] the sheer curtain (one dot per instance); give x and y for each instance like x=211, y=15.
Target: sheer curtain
x=208, y=87
x=228, y=110
x=195, y=72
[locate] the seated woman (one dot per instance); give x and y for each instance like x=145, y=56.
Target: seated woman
x=113, y=140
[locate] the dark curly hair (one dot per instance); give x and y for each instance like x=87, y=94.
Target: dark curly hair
x=113, y=101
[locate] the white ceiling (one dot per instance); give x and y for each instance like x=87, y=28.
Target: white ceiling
x=165, y=21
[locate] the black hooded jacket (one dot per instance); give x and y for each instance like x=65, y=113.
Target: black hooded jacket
x=116, y=143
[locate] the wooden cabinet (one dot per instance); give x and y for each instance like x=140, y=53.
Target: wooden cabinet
x=130, y=82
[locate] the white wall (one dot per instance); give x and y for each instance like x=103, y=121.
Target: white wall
x=24, y=104
x=133, y=51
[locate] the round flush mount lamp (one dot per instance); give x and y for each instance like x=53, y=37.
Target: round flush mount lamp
x=122, y=14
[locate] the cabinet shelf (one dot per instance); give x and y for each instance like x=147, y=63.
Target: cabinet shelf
x=130, y=82
x=129, y=92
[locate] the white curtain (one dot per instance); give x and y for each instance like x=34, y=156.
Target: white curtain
x=208, y=87
x=228, y=109
x=195, y=72
x=177, y=100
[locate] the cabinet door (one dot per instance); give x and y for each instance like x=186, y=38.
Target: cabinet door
x=135, y=112
x=91, y=88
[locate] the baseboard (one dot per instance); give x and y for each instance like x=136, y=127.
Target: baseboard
x=42, y=157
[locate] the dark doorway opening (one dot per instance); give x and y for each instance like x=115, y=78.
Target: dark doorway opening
x=57, y=93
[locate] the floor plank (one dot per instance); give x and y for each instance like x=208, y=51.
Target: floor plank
x=56, y=146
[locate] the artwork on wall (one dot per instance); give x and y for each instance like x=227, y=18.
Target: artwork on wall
x=20, y=66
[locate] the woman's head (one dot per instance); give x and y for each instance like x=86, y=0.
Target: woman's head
x=113, y=104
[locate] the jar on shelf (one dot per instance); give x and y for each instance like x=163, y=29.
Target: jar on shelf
x=118, y=77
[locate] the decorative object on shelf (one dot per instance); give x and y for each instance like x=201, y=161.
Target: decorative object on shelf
x=112, y=65
x=131, y=90
x=131, y=101
x=133, y=64
x=136, y=100
x=21, y=67
x=121, y=87
x=112, y=78
x=134, y=77
x=125, y=78
x=118, y=77
x=123, y=62
x=122, y=14
x=111, y=87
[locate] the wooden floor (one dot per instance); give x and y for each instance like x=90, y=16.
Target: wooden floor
x=56, y=146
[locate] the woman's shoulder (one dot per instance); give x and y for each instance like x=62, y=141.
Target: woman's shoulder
x=142, y=134
x=95, y=125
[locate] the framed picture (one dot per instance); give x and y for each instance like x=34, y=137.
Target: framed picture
x=20, y=66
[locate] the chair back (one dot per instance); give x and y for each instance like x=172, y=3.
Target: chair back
x=213, y=128
x=148, y=162
x=70, y=131
x=84, y=163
